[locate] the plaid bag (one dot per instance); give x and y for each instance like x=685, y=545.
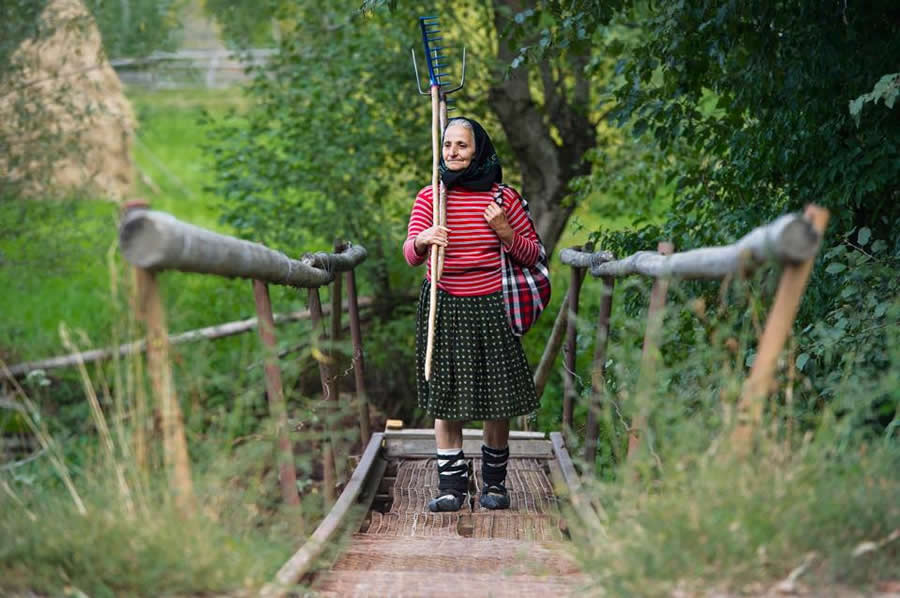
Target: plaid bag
x=526, y=290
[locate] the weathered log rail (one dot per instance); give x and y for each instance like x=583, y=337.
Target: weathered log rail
x=154, y=242
x=792, y=241
x=158, y=241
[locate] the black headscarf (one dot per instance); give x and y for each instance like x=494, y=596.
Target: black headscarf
x=483, y=171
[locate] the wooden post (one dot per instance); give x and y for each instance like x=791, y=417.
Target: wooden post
x=777, y=329
x=551, y=349
x=598, y=372
x=135, y=384
x=365, y=427
x=570, y=392
x=336, y=308
x=651, y=340
x=329, y=393
x=275, y=392
x=174, y=442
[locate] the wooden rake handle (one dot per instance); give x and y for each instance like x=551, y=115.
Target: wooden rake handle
x=436, y=218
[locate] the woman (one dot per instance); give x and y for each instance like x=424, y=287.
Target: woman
x=479, y=371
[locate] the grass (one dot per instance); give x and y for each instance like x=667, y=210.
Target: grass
x=688, y=514
x=136, y=542
x=721, y=523
x=173, y=170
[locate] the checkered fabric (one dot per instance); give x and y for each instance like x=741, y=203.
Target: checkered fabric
x=526, y=290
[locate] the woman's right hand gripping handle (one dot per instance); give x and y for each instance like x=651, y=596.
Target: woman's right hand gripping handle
x=436, y=235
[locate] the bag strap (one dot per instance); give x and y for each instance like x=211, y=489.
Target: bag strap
x=498, y=195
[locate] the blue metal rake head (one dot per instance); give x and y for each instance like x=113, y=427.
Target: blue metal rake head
x=435, y=58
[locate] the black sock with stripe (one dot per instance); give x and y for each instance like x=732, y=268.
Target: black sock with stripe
x=453, y=471
x=493, y=465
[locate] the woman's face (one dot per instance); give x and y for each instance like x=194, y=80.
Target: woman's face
x=459, y=147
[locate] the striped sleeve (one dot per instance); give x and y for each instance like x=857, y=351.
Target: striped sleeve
x=419, y=219
x=525, y=248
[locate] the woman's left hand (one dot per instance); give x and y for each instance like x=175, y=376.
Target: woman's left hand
x=496, y=219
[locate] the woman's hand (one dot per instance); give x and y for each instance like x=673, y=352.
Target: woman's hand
x=496, y=219
x=436, y=235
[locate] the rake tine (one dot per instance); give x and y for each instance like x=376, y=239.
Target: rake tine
x=416, y=69
x=462, y=80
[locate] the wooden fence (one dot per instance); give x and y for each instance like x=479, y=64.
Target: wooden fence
x=792, y=241
x=156, y=241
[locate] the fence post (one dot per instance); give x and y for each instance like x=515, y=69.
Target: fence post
x=336, y=308
x=551, y=349
x=365, y=427
x=598, y=372
x=175, y=450
x=649, y=354
x=569, y=390
x=275, y=392
x=329, y=393
x=777, y=329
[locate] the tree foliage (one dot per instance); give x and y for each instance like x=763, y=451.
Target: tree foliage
x=746, y=110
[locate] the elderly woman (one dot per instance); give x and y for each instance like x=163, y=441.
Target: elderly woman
x=479, y=371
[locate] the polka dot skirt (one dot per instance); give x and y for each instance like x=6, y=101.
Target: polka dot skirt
x=478, y=369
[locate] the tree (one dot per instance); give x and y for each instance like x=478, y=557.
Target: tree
x=550, y=134
x=547, y=131
x=761, y=107
x=761, y=91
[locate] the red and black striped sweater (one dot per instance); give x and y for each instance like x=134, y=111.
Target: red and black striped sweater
x=472, y=256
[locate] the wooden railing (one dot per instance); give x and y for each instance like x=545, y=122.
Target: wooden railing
x=155, y=241
x=792, y=241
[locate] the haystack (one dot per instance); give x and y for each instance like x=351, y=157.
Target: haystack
x=66, y=121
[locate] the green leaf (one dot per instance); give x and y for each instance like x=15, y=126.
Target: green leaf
x=863, y=237
x=881, y=309
x=835, y=268
x=801, y=360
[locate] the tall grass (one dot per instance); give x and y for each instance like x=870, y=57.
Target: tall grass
x=101, y=518
x=688, y=514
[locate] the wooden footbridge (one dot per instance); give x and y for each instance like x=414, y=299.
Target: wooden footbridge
x=398, y=548
x=379, y=538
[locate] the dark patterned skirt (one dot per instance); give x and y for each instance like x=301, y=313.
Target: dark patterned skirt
x=478, y=370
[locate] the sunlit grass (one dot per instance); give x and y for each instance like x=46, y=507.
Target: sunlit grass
x=173, y=170
x=53, y=255
x=688, y=513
